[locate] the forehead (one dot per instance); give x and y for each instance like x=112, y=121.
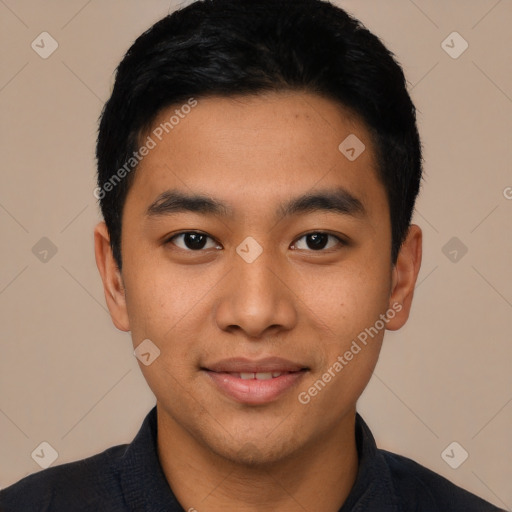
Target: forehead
x=258, y=149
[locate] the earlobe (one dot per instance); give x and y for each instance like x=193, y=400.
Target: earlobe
x=405, y=274
x=113, y=285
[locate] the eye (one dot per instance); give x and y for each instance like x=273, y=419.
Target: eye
x=192, y=241
x=317, y=241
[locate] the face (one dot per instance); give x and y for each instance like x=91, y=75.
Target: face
x=255, y=254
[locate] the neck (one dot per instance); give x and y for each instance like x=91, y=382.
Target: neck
x=318, y=476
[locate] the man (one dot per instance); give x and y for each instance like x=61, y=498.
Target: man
x=258, y=165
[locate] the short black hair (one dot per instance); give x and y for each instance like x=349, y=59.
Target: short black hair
x=240, y=47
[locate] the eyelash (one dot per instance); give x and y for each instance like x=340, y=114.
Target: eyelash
x=341, y=242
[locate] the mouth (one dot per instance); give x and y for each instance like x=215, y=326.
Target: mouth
x=254, y=382
x=258, y=375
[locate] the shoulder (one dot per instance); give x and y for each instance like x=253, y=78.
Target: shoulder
x=415, y=484
x=87, y=484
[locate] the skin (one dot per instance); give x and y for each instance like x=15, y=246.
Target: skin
x=254, y=153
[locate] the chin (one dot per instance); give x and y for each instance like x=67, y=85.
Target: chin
x=255, y=452
x=253, y=456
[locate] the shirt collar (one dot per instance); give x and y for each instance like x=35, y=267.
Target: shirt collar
x=146, y=489
x=373, y=490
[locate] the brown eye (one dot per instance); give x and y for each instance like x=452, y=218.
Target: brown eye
x=317, y=241
x=192, y=241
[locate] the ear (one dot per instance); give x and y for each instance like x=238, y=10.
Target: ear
x=405, y=274
x=111, y=276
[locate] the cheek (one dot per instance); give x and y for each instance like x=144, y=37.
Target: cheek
x=173, y=309
x=156, y=297
x=347, y=298
x=363, y=291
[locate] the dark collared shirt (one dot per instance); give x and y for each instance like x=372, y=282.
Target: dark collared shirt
x=129, y=478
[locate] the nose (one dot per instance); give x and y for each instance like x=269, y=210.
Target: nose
x=256, y=299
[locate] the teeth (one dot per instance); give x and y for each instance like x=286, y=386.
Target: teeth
x=263, y=376
x=259, y=375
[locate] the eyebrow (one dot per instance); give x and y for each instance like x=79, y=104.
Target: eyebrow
x=338, y=200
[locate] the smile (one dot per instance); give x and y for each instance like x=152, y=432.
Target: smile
x=255, y=388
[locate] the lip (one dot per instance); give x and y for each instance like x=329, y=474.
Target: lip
x=225, y=376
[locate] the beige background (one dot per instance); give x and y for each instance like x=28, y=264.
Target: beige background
x=69, y=378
